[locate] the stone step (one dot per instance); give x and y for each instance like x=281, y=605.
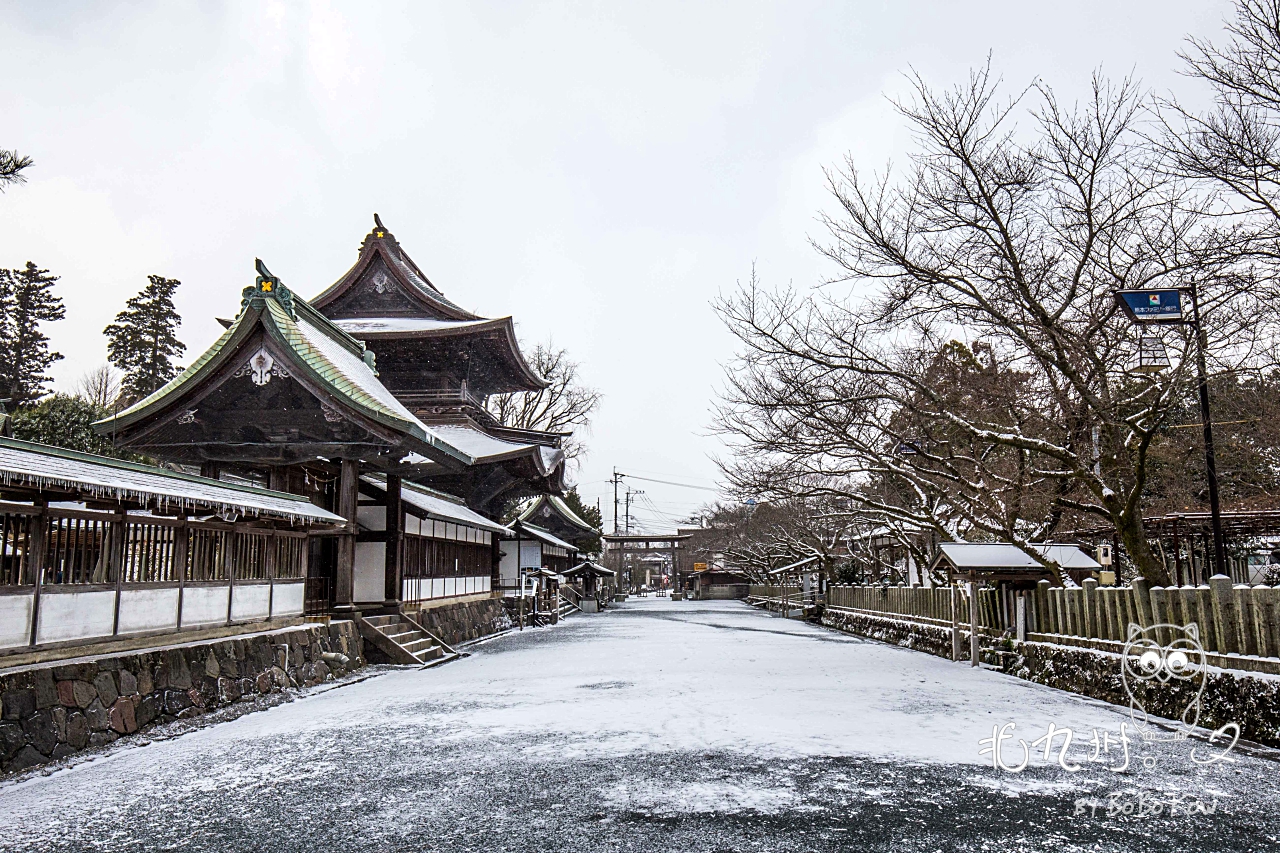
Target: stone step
x=415, y=646
x=382, y=621
x=404, y=634
x=428, y=654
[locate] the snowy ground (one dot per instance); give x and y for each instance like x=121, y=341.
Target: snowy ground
x=656, y=726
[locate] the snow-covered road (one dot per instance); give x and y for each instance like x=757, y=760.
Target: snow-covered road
x=655, y=726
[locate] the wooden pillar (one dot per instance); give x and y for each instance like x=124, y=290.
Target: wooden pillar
x=36, y=544
x=181, y=543
x=395, y=525
x=348, y=496
x=115, y=562
x=955, y=622
x=1021, y=619
x=973, y=622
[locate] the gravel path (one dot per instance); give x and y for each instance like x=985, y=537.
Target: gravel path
x=655, y=726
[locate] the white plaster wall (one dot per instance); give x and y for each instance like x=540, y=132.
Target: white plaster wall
x=509, y=565
x=148, y=609
x=75, y=615
x=250, y=601
x=287, y=599
x=15, y=620
x=370, y=571
x=204, y=605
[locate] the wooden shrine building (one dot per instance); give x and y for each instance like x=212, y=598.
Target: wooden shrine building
x=370, y=402
x=551, y=513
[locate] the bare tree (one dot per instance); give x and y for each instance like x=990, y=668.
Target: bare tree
x=100, y=387
x=1016, y=239
x=1236, y=144
x=564, y=406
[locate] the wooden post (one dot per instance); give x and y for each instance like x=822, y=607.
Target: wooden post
x=973, y=622
x=348, y=497
x=955, y=622
x=181, y=540
x=229, y=567
x=1226, y=613
x=1091, y=626
x=115, y=560
x=1021, y=604
x=395, y=524
x=36, y=545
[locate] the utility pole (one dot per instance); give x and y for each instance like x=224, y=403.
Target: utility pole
x=629, y=494
x=616, y=479
x=1210, y=463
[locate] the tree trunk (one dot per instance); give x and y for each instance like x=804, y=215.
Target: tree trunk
x=1134, y=537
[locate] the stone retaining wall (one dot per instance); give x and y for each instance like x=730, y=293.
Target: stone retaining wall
x=1250, y=700
x=465, y=620
x=50, y=711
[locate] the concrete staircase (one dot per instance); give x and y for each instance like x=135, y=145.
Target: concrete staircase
x=405, y=641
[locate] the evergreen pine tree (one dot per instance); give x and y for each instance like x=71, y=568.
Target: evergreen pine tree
x=26, y=300
x=143, y=340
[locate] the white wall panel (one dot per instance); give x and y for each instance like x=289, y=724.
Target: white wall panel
x=148, y=609
x=76, y=615
x=286, y=599
x=204, y=605
x=371, y=571
x=15, y=620
x=250, y=601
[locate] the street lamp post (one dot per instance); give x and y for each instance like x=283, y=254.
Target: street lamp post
x=1165, y=306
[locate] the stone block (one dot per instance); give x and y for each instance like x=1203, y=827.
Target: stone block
x=76, y=672
x=27, y=757
x=98, y=716
x=176, y=701
x=102, y=738
x=146, y=684
x=148, y=709
x=179, y=674
x=18, y=704
x=228, y=690
x=263, y=682
x=60, y=721
x=123, y=719
x=128, y=683
x=61, y=751
x=45, y=688
x=12, y=739
x=66, y=693
x=77, y=730
x=105, y=684
x=205, y=696
x=211, y=667
x=84, y=693
x=41, y=731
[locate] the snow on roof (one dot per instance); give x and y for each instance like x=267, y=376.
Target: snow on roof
x=356, y=373
x=440, y=506
x=390, y=325
x=482, y=446
x=1009, y=557
x=543, y=535
x=559, y=505
x=587, y=567
x=41, y=466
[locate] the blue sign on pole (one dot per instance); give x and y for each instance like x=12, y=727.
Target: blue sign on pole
x=1151, y=306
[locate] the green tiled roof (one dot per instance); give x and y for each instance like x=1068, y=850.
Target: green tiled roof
x=334, y=359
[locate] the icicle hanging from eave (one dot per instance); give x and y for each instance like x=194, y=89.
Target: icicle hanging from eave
x=98, y=490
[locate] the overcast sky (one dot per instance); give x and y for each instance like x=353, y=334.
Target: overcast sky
x=600, y=172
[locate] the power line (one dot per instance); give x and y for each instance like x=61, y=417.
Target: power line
x=672, y=483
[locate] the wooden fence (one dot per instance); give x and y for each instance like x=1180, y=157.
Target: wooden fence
x=1233, y=621
x=79, y=574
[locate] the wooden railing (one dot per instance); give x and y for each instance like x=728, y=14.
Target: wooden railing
x=1232, y=620
x=71, y=574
